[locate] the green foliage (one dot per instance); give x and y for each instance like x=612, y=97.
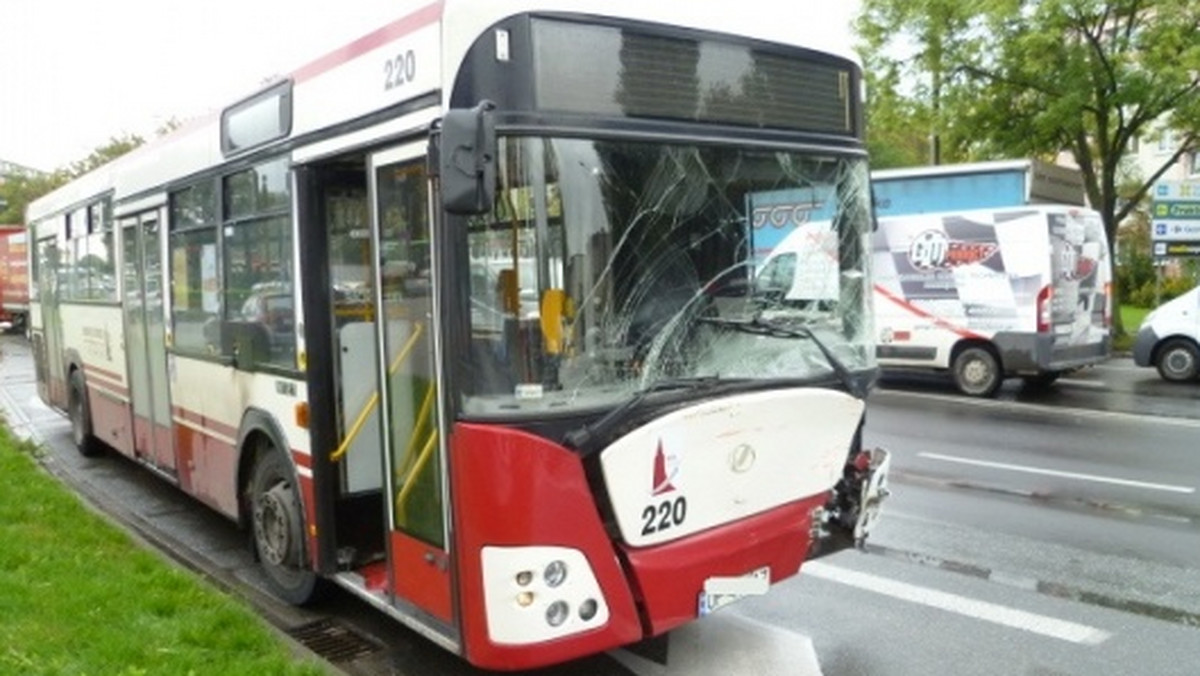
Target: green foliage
x=1152, y=293
x=116, y=147
x=77, y=596
x=1035, y=78
x=16, y=192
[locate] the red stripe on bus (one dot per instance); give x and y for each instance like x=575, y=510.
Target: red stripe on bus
x=302, y=459
x=205, y=423
x=397, y=29
x=103, y=373
x=937, y=321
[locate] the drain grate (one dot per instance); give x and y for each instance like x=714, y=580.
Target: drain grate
x=333, y=641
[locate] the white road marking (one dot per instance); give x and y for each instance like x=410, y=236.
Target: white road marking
x=1065, y=475
x=1065, y=411
x=1075, y=382
x=1051, y=627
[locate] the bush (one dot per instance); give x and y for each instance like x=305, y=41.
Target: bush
x=1145, y=295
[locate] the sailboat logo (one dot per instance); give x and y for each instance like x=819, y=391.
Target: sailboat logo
x=666, y=468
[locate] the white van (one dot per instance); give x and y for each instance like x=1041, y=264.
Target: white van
x=1169, y=339
x=981, y=294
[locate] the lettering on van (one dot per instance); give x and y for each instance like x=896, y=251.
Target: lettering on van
x=933, y=250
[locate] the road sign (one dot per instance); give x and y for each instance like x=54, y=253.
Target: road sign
x=1169, y=249
x=1175, y=218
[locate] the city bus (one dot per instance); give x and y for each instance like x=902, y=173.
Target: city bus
x=461, y=317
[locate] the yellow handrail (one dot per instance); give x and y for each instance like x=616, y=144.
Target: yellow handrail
x=422, y=420
x=410, y=481
x=373, y=401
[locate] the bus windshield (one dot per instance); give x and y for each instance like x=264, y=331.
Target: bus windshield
x=607, y=266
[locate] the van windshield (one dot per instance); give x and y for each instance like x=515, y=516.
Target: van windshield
x=604, y=264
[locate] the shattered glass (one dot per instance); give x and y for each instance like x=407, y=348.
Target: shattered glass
x=609, y=265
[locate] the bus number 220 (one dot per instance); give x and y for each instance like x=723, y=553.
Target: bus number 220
x=400, y=70
x=664, y=515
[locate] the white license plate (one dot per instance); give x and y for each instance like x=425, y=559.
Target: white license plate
x=721, y=591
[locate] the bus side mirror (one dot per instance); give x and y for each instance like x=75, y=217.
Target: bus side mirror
x=468, y=160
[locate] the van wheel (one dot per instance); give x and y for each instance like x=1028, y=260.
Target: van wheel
x=977, y=372
x=277, y=522
x=81, y=417
x=1178, y=360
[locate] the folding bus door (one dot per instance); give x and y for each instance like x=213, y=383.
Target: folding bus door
x=413, y=462
x=145, y=338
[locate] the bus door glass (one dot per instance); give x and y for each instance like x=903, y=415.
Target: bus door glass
x=145, y=340
x=413, y=466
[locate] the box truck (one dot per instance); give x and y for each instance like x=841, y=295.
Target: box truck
x=14, y=277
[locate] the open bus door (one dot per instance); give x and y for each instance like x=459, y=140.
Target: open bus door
x=390, y=430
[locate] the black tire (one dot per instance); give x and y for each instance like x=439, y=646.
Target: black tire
x=81, y=417
x=1178, y=360
x=277, y=528
x=976, y=371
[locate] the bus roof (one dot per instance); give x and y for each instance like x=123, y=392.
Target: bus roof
x=343, y=84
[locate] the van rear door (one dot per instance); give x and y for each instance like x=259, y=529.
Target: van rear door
x=1081, y=276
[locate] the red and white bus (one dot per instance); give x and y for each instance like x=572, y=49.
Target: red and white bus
x=462, y=317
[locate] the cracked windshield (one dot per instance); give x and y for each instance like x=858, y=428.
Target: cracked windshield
x=608, y=267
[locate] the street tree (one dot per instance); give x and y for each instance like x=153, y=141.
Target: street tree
x=910, y=51
x=17, y=191
x=116, y=147
x=1038, y=78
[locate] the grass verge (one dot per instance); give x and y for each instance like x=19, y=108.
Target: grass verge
x=1131, y=319
x=78, y=596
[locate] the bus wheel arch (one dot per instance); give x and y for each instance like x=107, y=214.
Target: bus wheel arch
x=976, y=368
x=1177, y=360
x=272, y=511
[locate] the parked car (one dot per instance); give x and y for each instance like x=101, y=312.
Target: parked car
x=1169, y=339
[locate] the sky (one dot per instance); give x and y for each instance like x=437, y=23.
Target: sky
x=76, y=73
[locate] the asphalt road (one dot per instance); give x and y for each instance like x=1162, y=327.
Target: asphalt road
x=1045, y=532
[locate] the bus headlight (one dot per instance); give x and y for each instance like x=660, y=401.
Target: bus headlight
x=535, y=594
x=557, y=613
x=555, y=573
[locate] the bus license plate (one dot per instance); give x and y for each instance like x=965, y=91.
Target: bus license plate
x=721, y=591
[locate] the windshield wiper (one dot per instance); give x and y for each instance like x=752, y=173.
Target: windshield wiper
x=763, y=327
x=581, y=437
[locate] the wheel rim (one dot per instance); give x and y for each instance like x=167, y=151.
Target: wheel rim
x=976, y=373
x=1181, y=363
x=273, y=521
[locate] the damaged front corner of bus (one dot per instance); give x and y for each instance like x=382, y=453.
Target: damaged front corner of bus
x=854, y=505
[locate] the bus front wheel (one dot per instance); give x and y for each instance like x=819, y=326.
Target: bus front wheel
x=977, y=371
x=81, y=417
x=277, y=523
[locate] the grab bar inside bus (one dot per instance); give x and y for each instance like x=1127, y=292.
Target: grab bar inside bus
x=373, y=400
x=413, y=464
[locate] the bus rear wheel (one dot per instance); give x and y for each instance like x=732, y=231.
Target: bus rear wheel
x=81, y=417
x=977, y=371
x=277, y=524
